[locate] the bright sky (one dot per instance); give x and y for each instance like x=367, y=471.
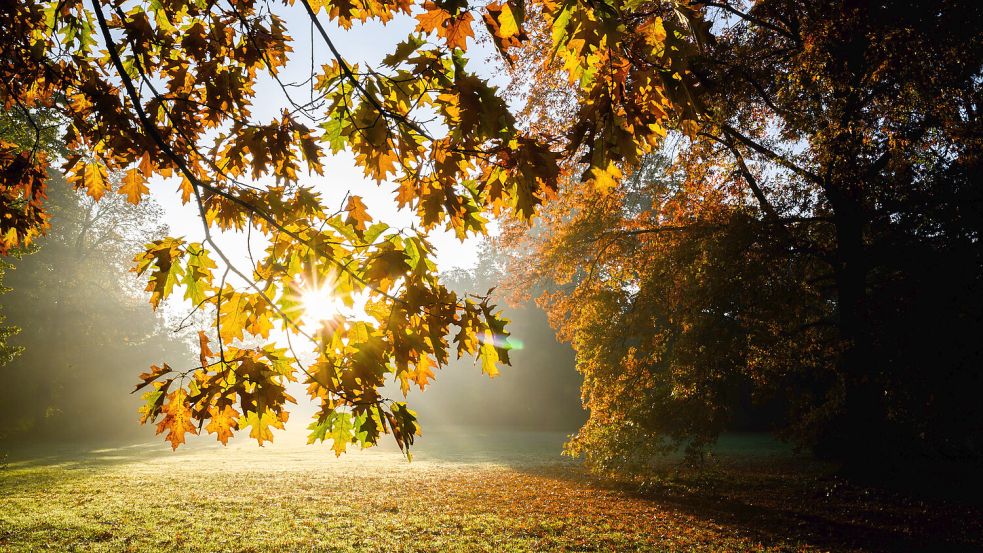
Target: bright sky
x=362, y=44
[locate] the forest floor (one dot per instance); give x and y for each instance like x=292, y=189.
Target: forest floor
x=518, y=497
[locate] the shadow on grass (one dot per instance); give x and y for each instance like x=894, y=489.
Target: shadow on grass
x=758, y=489
x=779, y=500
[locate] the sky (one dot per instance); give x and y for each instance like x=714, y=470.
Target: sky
x=363, y=44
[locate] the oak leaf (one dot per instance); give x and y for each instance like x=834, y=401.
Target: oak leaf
x=177, y=419
x=261, y=425
x=223, y=422
x=134, y=186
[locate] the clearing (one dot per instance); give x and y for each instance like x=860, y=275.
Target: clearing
x=488, y=492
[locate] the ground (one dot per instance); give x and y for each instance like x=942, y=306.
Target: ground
x=486, y=493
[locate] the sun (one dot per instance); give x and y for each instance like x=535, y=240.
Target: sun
x=319, y=305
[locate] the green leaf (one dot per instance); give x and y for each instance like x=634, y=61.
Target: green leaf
x=162, y=260
x=336, y=426
x=342, y=430
x=334, y=132
x=374, y=231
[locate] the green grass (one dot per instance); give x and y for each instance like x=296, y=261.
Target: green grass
x=298, y=498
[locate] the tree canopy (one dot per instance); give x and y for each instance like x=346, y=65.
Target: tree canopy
x=818, y=157
x=166, y=89
x=811, y=241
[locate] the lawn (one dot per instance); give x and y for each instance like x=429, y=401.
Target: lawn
x=483, y=494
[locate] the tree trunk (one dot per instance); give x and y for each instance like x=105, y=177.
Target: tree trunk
x=856, y=434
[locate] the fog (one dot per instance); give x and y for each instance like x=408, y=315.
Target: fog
x=87, y=332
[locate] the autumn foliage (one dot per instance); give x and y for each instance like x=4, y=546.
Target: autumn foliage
x=166, y=90
x=802, y=152
x=804, y=249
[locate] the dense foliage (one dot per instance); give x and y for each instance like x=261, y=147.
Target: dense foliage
x=814, y=234
x=8, y=351
x=812, y=240
x=39, y=134
x=167, y=89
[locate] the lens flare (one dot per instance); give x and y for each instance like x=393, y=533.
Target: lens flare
x=507, y=342
x=319, y=305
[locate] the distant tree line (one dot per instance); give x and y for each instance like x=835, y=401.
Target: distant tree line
x=75, y=320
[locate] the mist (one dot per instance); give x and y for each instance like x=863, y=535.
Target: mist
x=87, y=332
x=540, y=390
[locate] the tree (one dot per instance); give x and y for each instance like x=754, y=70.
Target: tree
x=672, y=323
x=8, y=352
x=22, y=131
x=166, y=90
x=814, y=235
x=74, y=291
x=848, y=130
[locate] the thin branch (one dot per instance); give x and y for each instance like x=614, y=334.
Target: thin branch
x=346, y=69
x=755, y=20
x=770, y=154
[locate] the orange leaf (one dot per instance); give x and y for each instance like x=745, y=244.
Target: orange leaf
x=187, y=189
x=223, y=423
x=458, y=31
x=146, y=165
x=177, y=419
x=358, y=217
x=134, y=186
x=92, y=177
x=423, y=373
x=433, y=19
x=206, y=351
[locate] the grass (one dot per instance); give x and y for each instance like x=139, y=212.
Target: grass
x=511, y=495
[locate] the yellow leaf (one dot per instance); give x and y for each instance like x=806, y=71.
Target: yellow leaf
x=92, y=177
x=134, y=186
x=655, y=35
x=508, y=27
x=234, y=315
x=223, y=423
x=186, y=189
x=504, y=27
x=261, y=425
x=606, y=179
x=488, y=355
